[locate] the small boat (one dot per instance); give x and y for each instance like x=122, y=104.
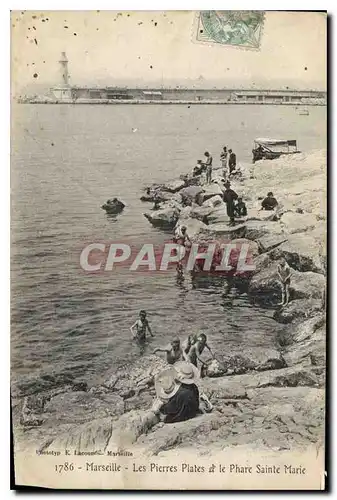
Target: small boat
x=269, y=149
x=304, y=112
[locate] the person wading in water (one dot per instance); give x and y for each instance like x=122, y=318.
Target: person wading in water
x=138, y=329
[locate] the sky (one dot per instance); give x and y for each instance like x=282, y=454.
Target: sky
x=160, y=48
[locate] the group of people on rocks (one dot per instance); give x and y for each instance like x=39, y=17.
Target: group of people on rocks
x=228, y=162
x=190, y=350
x=177, y=393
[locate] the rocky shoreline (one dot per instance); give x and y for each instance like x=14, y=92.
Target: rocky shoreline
x=272, y=400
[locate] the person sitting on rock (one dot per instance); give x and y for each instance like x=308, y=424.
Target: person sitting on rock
x=240, y=209
x=176, y=401
x=284, y=273
x=269, y=203
x=198, y=169
x=173, y=351
x=228, y=197
x=139, y=328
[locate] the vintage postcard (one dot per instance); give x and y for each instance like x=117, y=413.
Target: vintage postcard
x=168, y=249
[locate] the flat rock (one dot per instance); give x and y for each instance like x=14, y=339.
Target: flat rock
x=256, y=229
x=165, y=218
x=297, y=310
x=172, y=435
x=225, y=231
x=91, y=436
x=82, y=406
x=270, y=241
x=261, y=215
x=294, y=222
x=173, y=186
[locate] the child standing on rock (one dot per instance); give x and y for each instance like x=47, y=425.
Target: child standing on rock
x=283, y=272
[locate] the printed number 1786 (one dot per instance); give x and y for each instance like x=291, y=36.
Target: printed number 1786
x=65, y=467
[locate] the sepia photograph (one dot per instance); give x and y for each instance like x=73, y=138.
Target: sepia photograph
x=168, y=219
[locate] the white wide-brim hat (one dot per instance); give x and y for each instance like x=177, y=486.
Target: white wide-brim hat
x=166, y=384
x=187, y=373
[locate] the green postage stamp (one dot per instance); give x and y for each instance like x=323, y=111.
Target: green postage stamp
x=239, y=28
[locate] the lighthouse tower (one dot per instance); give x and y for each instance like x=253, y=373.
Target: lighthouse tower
x=64, y=69
x=63, y=91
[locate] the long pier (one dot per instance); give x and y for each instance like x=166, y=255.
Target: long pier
x=166, y=102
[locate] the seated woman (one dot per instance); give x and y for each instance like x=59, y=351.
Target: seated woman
x=177, y=401
x=269, y=203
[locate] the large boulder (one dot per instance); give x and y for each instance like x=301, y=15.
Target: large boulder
x=209, y=191
x=306, y=285
x=165, y=218
x=113, y=206
x=215, y=201
x=298, y=310
x=189, y=194
x=294, y=222
x=218, y=215
x=265, y=285
x=301, y=252
x=307, y=344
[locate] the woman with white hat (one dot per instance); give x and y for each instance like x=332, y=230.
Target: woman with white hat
x=177, y=401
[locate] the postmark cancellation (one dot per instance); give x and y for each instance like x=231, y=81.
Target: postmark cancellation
x=236, y=28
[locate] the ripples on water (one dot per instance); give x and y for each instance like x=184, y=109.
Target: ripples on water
x=66, y=162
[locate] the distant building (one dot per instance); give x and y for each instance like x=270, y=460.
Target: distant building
x=65, y=92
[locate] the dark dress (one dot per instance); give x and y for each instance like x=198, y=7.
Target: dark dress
x=269, y=203
x=232, y=162
x=228, y=197
x=183, y=405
